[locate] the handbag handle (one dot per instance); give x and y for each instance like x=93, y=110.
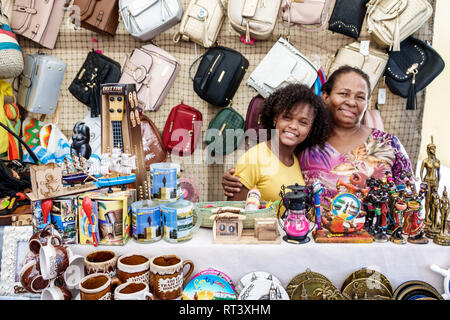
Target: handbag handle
x=192, y=65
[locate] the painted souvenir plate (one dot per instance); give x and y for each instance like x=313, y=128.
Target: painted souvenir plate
x=218, y=273
x=346, y=206
x=368, y=273
x=263, y=289
x=208, y=287
x=301, y=277
x=316, y=289
x=252, y=276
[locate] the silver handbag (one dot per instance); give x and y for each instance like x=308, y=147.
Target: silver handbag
x=40, y=83
x=145, y=19
x=283, y=64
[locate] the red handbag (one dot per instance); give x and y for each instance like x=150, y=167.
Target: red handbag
x=253, y=118
x=182, y=130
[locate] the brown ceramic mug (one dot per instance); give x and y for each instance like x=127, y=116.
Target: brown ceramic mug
x=31, y=277
x=44, y=236
x=167, y=277
x=101, y=261
x=133, y=268
x=98, y=286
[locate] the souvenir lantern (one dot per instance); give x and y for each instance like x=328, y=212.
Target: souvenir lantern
x=293, y=221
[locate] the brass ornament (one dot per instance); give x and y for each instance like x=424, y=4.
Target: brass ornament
x=301, y=277
x=366, y=273
x=404, y=288
x=366, y=288
x=416, y=292
x=316, y=289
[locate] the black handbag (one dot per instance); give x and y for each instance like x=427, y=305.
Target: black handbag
x=219, y=75
x=412, y=68
x=347, y=17
x=97, y=69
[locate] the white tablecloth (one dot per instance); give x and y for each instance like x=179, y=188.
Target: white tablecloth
x=399, y=263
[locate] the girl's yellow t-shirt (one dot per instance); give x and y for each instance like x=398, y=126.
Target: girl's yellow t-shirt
x=260, y=167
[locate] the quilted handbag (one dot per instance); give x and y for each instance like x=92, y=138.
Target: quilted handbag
x=391, y=21
x=201, y=22
x=38, y=20
x=40, y=83
x=99, y=16
x=412, y=68
x=153, y=70
x=308, y=15
x=152, y=142
x=182, y=130
x=225, y=131
x=253, y=18
x=373, y=64
x=11, y=58
x=283, y=64
x=145, y=19
x=219, y=75
x=253, y=118
x=347, y=17
x=97, y=69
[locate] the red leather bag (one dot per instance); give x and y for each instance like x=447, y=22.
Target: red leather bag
x=182, y=130
x=253, y=119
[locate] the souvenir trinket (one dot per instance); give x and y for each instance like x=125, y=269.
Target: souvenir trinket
x=412, y=225
x=146, y=221
x=208, y=286
x=266, y=229
x=165, y=181
x=316, y=289
x=416, y=290
x=446, y=275
x=377, y=199
x=101, y=261
x=97, y=286
x=366, y=283
x=227, y=226
x=253, y=276
x=133, y=268
x=132, y=291
x=263, y=289
x=178, y=220
x=398, y=208
x=300, y=278
x=443, y=238
x=431, y=167
x=432, y=229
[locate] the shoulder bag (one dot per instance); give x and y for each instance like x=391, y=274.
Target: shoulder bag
x=152, y=142
x=100, y=16
x=347, y=17
x=308, y=15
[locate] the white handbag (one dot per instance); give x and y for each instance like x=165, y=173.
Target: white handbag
x=254, y=18
x=283, y=64
x=145, y=19
x=391, y=21
x=201, y=22
x=373, y=63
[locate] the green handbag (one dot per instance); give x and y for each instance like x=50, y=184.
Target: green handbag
x=230, y=126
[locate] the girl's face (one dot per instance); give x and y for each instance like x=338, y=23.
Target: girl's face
x=348, y=99
x=294, y=127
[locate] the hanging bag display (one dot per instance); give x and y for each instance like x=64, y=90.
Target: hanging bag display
x=40, y=83
x=373, y=63
x=100, y=16
x=154, y=71
x=182, y=130
x=389, y=22
x=228, y=128
x=219, y=75
x=11, y=58
x=283, y=64
x=97, y=69
x=145, y=19
x=347, y=17
x=201, y=22
x=253, y=18
x=38, y=20
x=308, y=15
x=412, y=68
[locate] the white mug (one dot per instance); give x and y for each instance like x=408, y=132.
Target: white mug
x=133, y=291
x=53, y=260
x=56, y=293
x=75, y=271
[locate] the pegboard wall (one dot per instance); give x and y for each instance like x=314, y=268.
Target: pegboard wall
x=73, y=46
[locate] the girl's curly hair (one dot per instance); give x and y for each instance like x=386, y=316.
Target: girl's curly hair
x=285, y=99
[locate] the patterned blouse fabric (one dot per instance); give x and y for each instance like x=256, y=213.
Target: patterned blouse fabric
x=380, y=153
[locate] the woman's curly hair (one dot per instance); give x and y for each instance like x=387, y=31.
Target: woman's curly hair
x=285, y=99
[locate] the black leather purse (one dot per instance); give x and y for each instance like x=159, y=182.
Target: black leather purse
x=347, y=17
x=219, y=75
x=412, y=68
x=97, y=69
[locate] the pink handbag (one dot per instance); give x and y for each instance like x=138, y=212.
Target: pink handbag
x=308, y=15
x=372, y=119
x=153, y=70
x=38, y=20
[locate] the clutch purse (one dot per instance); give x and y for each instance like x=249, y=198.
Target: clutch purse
x=347, y=17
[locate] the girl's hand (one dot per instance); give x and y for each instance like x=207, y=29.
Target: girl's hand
x=230, y=183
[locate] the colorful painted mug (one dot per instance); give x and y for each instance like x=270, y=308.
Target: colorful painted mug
x=167, y=277
x=178, y=220
x=133, y=268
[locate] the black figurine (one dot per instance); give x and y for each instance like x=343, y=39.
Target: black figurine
x=80, y=140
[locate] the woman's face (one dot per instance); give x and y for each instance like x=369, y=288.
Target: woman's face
x=294, y=127
x=347, y=100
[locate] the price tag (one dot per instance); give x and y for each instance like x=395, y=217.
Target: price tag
x=381, y=96
x=364, y=47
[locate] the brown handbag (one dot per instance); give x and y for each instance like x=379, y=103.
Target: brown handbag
x=152, y=142
x=101, y=16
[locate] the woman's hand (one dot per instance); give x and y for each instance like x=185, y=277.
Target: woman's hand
x=230, y=183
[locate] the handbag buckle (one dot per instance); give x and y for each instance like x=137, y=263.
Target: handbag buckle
x=142, y=75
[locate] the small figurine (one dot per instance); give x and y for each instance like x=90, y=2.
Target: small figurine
x=432, y=176
x=80, y=140
x=431, y=229
x=399, y=207
x=413, y=226
x=442, y=238
x=377, y=199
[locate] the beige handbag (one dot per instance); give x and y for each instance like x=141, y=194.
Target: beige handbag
x=254, y=18
x=373, y=64
x=391, y=21
x=201, y=22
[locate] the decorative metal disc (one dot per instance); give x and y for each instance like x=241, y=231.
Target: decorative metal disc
x=368, y=273
x=399, y=293
x=366, y=288
x=301, y=277
x=346, y=206
x=316, y=289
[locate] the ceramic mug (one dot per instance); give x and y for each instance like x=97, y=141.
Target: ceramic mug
x=98, y=286
x=101, y=261
x=31, y=277
x=56, y=293
x=133, y=268
x=53, y=260
x=44, y=236
x=133, y=291
x=75, y=271
x=167, y=277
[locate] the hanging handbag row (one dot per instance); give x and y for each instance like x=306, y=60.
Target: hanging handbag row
x=406, y=64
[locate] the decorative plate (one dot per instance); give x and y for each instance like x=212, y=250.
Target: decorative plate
x=301, y=277
x=346, y=206
x=252, y=276
x=368, y=273
x=421, y=288
x=263, y=289
x=316, y=289
x=208, y=287
x=366, y=288
x=212, y=271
